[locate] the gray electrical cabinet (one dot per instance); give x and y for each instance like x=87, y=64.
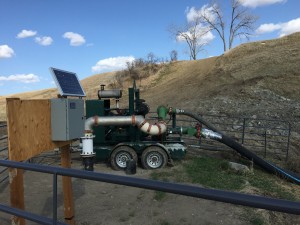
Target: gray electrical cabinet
x=67, y=119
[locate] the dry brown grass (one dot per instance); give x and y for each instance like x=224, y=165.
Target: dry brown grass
x=272, y=65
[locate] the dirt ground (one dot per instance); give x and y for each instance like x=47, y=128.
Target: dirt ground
x=101, y=203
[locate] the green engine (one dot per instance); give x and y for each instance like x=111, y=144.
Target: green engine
x=124, y=134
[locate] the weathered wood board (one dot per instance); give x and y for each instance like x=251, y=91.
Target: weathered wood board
x=29, y=128
x=29, y=134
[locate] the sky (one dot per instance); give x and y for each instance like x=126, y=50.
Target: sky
x=95, y=36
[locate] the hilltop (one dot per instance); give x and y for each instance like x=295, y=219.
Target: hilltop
x=258, y=78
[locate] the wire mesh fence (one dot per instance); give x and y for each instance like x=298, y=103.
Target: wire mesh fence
x=268, y=138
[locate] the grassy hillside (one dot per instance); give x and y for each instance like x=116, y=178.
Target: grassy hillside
x=260, y=78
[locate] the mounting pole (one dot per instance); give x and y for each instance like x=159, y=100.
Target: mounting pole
x=65, y=158
x=67, y=186
x=17, y=193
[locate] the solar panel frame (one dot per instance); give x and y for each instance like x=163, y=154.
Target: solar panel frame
x=67, y=83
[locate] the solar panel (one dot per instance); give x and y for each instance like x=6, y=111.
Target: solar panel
x=67, y=83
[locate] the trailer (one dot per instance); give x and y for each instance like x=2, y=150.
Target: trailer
x=124, y=137
x=118, y=136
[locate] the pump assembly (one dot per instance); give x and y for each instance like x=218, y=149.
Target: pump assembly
x=124, y=136
x=120, y=135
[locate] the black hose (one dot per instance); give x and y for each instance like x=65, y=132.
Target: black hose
x=259, y=161
x=245, y=152
x=199, y=119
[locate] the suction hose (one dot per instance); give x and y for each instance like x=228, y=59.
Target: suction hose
x=242, y=150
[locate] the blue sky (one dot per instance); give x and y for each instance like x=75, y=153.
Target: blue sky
x=93, y=36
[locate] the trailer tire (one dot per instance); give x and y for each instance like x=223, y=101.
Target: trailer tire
x=120, y=156
x=154, y=157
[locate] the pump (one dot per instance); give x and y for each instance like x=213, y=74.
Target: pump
x=122, y=135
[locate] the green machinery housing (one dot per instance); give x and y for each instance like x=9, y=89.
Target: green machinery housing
x=119, y=143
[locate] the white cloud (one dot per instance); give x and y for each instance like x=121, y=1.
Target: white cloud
x=202, y=32
x=257, y=3
x=26, y=33
x=287, y=28
x=23, y=78
x=208, y=37
x=46, y=40
x=75, y=39
x=112, y=64
x=290, y=27
x=192, y=13
x=6, y=51
x=268, y=28
x=202, y=40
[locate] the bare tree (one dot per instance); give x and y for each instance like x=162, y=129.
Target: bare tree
x=193, y=34
x=133, y=70
x=130, y=68
x=119, y=78
x=241, y=21
x=151, y=58
x=173, y=55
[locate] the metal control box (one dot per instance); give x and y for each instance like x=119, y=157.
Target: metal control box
x=67, y=119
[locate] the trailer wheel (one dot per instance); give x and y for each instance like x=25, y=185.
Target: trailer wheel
x=120, y=156
x=154, y=157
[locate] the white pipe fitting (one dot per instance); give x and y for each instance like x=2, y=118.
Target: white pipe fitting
x=87, y=146
x=153, y=129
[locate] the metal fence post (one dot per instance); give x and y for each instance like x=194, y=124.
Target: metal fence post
x=265, y=134
x=244, y=127
x=54, y=201
x=288, y=142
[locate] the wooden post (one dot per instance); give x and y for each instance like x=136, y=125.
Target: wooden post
x=16, y=184
x=16, y=194
x=67, y=186
x=29, y=134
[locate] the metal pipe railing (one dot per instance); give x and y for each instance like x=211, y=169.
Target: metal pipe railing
x=29, y=216
x=3, y=149
x=3, y=137
x=181, y=189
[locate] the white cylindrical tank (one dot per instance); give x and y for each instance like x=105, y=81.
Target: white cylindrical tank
x=87, y=147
